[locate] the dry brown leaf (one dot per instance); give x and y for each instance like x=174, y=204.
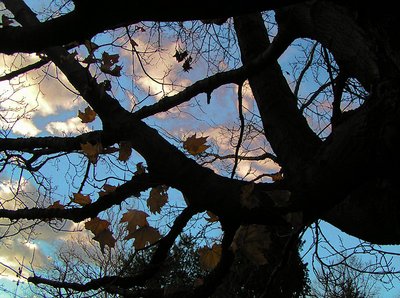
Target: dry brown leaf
x=252, y=241
x=134, y=218
x=97, y=225
x=87, y=116
x=140, y=169
x=247, y=198
x=157, y=199
x=209, y=257
x=107, y=189
x=108, y=64
x=92, y=151
x=105, y=237
x=56, y=205
x=81, y=199
x=143, y=236
x=125, y=151
x=195, y=145
x=276, y=176
x=212, y=217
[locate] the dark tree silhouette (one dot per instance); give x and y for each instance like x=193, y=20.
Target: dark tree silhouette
x=339, y=165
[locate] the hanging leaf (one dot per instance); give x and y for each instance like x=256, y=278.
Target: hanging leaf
x=157, y=199
x=92, y=151
x=107, y=189
x=195, y=145
x=125, y=151
x=56, y=205
x=180, y=56
x=140, y=169
x=81, y=199
x=116, y=71
x=105, y=237
x=252, y=241
x=212, y=217
x=134, y=218
x=97, y=225
x=87, y=116
x=277, y=176
x=209, y=257
x=187, y=64
x=143, y=236
x=108, y=64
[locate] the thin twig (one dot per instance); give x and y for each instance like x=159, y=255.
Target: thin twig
x=241, y=117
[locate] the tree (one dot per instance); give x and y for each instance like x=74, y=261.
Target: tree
x=334, y=150
x=341, y=280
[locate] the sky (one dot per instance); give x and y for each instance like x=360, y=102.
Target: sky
x=52, y=106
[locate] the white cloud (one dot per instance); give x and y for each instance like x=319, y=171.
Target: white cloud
x=71, y=126
x=163, y=75
x=38, y=93
x=25, y=127
x=21, y=245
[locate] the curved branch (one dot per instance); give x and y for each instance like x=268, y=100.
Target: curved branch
x=285, y=128
x=105, y=16
x=133, y=187
x=129, y=281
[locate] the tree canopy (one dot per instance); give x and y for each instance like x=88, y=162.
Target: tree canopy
x=243, y=124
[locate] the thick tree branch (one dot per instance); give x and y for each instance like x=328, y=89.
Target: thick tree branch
x=133, y=187
x=105, y=16
x=54, y=144
x=209, y=84
x=286, y=129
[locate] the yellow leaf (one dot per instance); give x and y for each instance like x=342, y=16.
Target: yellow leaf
x=81, y=199
x=105, y=237
x=252, y=241
x=97, y=225
x=134, y=218
x=87, y=116
x=143, y=236
x=195, y=145
x=107, y=189
x=209, y=257
x=125, y=151
x=212, y=217
x=56, y=205
x=157, y=199
x=92, y=151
